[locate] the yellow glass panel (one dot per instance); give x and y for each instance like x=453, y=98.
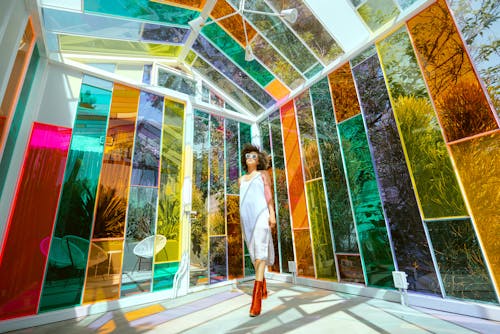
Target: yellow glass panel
x=478, y=163
x=344, y=98
x=234, y=24
x=460, y=101
x=277, y=89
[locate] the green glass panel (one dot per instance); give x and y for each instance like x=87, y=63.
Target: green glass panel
x=460, y=261
x=245, y=134
x=199, y=228
x=63, y=286
x=284, y=236
x=116, y=47
x=236, y=53
x=190, y=57
x=232, y=157
x=320, y=227
x=142, y=10
x=216, y=209
x=249, y=269
x=376, y=13
x=169, y=204
x=308, y=143
x=164, y=274
x=264, y=136
x=344, y=230
x=313, y=71
x=372, y=231
x=436, y=186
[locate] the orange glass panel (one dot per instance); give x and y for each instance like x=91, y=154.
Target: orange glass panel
x=234, y=24
x=16, y=80
x=234, y=237
x=478, y=163
x=293, y=162
x=190, y=4
x=459, y=99
x=277, y=89
x=344, y=98
x=303, y=249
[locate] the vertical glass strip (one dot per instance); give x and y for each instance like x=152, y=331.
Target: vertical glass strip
x=63, y=284
x=265, y=136
x=408, y=237
x=31, y=221
x=112, y=199
x=344, y=95
x=344, y=231
x=460, y=261
x=164, y=274
x=303, y=249
x=232, y=157
x=428, y=160
x=199, y=227
x=478, y=163
x=460, y=101
x=372, y=231
x=245, y=134
x=218, y=259
x=216, y=209
x=234, y=237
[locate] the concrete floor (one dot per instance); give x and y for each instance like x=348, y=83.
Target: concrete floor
x=289, y=309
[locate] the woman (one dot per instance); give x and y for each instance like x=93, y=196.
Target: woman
x=257, y=218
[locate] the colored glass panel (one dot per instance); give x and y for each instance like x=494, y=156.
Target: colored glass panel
x=171, y=178
x=158, y=33
x=309, y=145
x=32, y=211
x=284, y=231
x=216, y=210
x=63, y=284
x=460, y=261
x=305, y=265
x=265, y=136
x=320, y=227
x=176, y=82
x=350, y=269
x=199, y=228
x=408, y=237
x=234, y=238
x=144, y=10
x=365, y=54
x=344, y=95
x=344, y=231
x=277, y=90
x=478, y=163
x=236, y=53
x=313, y=71
x=434, y=180
x=372, y=231
x=218, y=259
x=219, y=61
x=164, y=274
x=376, y=13
x=232, y=157
x=245, y=134
x=233, y=24
x=460, y=102
x=293, y=160
x=197, y=4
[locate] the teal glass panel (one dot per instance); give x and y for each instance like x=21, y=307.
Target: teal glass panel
x=141, y=217
x=372, y=231
x=320, y=228
x=245, y=135
x=279, y=34
x=218, y=259
x=63, y=284
x=313, y=71
x=344, y=231
x=284, y=229
x=460, y=261
x=308, y=143
x=376, y=13
x=164, y=274
x=199, y=222
x=236, y=53
x=216, y=208
x=169, y=203
x=225, y=85
x=429, y=163
x=176, y=82
x=232, y=157
x=144, y=10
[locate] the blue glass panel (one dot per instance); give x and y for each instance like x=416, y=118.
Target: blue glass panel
x=159, y=33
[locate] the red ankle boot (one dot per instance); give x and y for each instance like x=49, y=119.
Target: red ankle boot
x=256, y=299
x=264, y=289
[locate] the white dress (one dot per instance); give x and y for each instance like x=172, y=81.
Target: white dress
x=254, y=216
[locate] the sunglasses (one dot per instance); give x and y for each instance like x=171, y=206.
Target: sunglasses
x=251, y=156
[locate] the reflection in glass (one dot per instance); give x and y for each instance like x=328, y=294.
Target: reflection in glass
x=408, y=237
x=158, y=33
x=234, y=238
x=344, y=95
x=245, y=135
x=434, y=180
x=164, y=274
x=350, y=269
x=376, y=13
x=460, y=102
x=232, y=157
x=264, y=136
x=64, y=283
x=33, y=211
x=218, y=259
x=372, y=231
x=305, y=265
x=478, y=163
x=344, y=230
x=216, y=208
x=176, y=82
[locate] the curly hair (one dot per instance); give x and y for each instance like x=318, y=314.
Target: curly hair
x=263, y=157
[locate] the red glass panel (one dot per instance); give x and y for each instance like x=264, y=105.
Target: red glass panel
x=31, y=220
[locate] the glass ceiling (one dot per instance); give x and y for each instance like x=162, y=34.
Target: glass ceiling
x=287, y=55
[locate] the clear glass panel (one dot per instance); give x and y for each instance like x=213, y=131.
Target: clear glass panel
x=350, y=269
x=264, y=136
x=427, y=157
x=305, y=265
x=232, y=157
x=340, y=209
x=407, y=3
x=63, y=285
x=218, y=259
x=164, y=274
x=460, y=101
x=176, y=82
x=460, y=261
x=158, y=33
x=408, y=237
x=216, y=207
x=33, y=210
x=478, y=163
x=344, y=95
x=234, y=237
x=372, y=231
x=376, y=13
